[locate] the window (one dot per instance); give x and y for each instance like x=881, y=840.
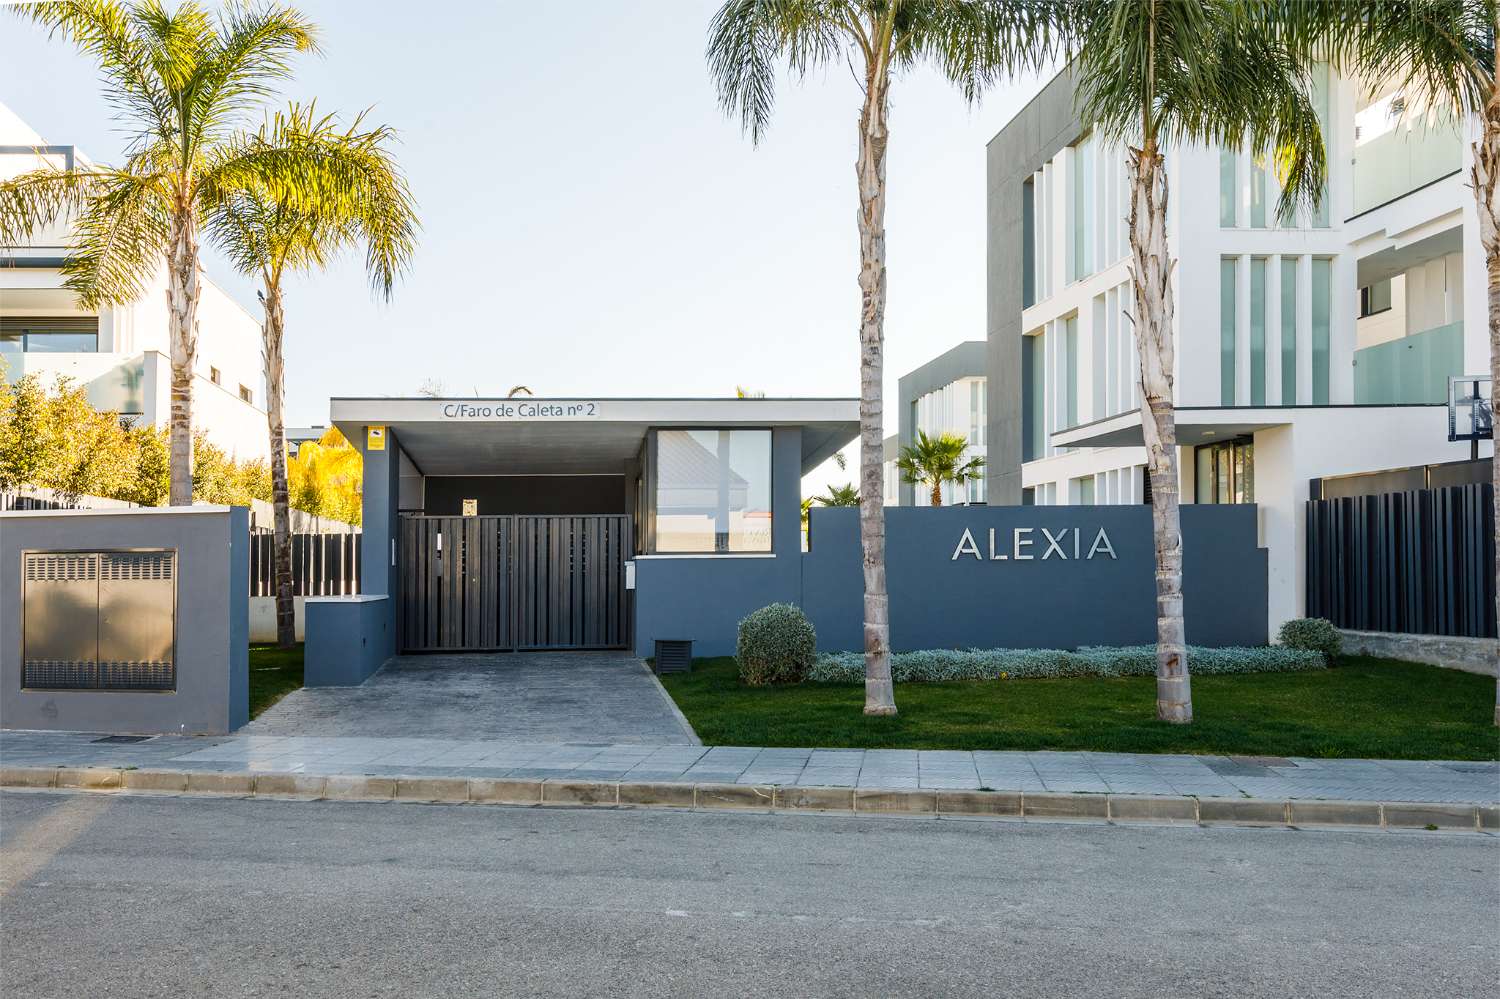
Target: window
x=213, y=375
x=1258, y=191
x=1229, y=188
x=1322, y=271
x=1028, y=244
x=1375, y=299
x=1070, y=367
x=246, y=395
x=50, y=334
x=713, y=491
x=1225, y=473
x=1034, y=392
x=1288, y=331
x=1226, y=330
x=1257, y=331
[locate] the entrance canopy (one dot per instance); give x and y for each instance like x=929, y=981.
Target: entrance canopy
x=526, y=436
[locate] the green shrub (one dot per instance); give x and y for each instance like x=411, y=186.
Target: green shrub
x=1313, y=633
x=936, y=665
x=777, y=644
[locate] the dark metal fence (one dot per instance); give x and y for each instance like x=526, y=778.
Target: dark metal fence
x=1419, y=562
x=323, y=565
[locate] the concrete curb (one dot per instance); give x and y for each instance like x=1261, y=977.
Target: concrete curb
x=1118, y=809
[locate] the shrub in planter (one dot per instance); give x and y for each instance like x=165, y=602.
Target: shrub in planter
x=1313, y=633
x=777, y=644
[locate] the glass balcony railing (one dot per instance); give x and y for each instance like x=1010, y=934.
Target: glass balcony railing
x=1405, y=158
x=1411, y=369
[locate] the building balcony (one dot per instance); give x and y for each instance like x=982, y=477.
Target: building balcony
x=112, y=382
x=1410, y=369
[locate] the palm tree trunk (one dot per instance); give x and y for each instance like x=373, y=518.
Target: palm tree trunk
x=281, y=542
x=182, y=317
x=880, y=696
x=1151, y=268
x=1483, y=178
x=937, y=494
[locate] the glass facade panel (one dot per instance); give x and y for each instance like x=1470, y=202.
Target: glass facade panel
x=1034, y=390
x=713, y=491
x=1228, y=188
x=1226, y=331
x=62, y=343
x=1257, y=331
x=1258, y=191
x=1028, y=244
x=1070, y=345
x=1288, y=331
x=1322, y=272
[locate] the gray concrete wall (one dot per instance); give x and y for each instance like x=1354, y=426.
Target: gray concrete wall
x=348, y=639
x=1472, y=655
x=963, y=361
x=703, y=597
x=1032, y=137
x=212, y=617
x=1052, y=602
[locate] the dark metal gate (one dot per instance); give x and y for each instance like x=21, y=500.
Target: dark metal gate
x=514, y=582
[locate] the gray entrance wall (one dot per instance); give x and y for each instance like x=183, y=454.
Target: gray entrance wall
x=213, y=600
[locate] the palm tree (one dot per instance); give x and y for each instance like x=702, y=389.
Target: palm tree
x=845, y=495
x=516, y=390
x=1442, y=54
x=1162, y=73
x=181, y=80
x=971, y=42
x=934, y=461
x=267, y=236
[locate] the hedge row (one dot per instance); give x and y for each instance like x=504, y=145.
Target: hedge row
x=934, y=665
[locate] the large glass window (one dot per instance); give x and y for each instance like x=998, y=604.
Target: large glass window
x=1228, y=187
x=1257, y=331
x=1225, y=473
x=713, y=491
x=1289, y=331
x=1226, y=330
x=1070, y=346
x=1322, y=276
x=50, y=334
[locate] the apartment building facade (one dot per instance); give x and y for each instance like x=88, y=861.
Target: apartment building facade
x=1308, y=348
x=121, y=354
x=947, y=394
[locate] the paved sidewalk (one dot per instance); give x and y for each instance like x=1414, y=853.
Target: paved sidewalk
x=1100, y=773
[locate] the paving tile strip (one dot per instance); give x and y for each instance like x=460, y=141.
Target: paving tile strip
x=1047, y=806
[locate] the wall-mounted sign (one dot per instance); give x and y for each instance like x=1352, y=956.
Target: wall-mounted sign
x=1022, y=544
x=374, y=438
x=523, y=410
x=471, y=508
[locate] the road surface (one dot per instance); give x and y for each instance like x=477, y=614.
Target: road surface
x=112, y=895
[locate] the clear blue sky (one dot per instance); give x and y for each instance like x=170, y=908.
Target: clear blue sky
x=593, y=225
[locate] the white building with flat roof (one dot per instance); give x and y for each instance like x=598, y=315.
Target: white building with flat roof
x=121, y=354
x=1309, y=349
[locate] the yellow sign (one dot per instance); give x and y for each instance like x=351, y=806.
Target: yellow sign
x=374, y=438
x=471, y=508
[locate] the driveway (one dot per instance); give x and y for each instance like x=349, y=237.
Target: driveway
x=591, y=697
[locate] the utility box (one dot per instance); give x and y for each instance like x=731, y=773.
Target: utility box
x=102, y=620
x=674, y=656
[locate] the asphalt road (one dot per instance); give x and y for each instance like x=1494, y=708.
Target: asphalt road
x=138, y=896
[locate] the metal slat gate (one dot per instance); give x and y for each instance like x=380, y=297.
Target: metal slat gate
x=514, y=582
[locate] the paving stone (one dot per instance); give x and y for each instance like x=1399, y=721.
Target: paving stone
x=90, y=778
x=668, y=794
x=1065, y=806
x=448, y=789
x=734, y=796
x=828, y=799
x=914, y=800
x=978, y=803
x=580, y=792
x=348, y=787
x=1242, y=811
x=1335, y=813
x=28, y=776
x=1404, y=816
x=220, y=783
x=289, y=785
x=504, y=791
x=171, y=781
x=1150, y=808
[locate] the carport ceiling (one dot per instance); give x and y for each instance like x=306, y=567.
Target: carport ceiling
x=442, y=445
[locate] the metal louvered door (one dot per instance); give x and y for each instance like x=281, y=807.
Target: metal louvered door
x=499, y=583
x=99, y=620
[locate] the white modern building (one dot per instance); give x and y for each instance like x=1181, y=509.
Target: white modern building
x=121, y=354
x=1305, y=350
x=947, y=395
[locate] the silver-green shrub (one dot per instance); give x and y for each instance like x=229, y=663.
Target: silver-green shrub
x=777, y=644
x=1313, y=633
x=935, y=665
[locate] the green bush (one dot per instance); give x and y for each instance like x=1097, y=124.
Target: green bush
x=1313, y=633
x=777, y=644
x=936, y=665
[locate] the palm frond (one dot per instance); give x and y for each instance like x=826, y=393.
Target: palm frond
x=117, y=240
x=37, y=198
x=249, y=54
x=976, y=43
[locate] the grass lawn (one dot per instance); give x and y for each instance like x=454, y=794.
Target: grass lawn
x=1372, y=708
x=274, y=673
